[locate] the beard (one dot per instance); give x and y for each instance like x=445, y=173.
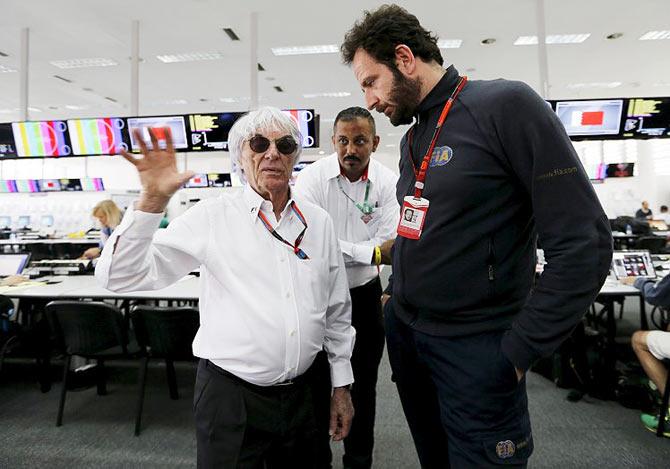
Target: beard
x=405, y=96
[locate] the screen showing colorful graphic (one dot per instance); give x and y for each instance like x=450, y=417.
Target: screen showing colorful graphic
x=27, y=185
x=209, y=132
x=158, y=124
x=70, y=185
x=104, y=136
x=307, y=124
x=593, y=117
x=199, y=180
x=46, y=138
x=647, y=118
x=49, y=185
x=92, y=185
x=8, y=186
x=620, y=170
x=7, y=147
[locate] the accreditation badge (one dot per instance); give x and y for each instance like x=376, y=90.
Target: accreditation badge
x=412, y=217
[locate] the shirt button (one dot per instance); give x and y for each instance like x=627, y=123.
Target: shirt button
x=292, y=333
x=288, y=294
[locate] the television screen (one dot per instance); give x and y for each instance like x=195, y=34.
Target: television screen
x=104, y=136
x=70, y=185
x=209, y=132
x=175, y=123
x=49, y=185
x=8, y=186
x=308, y=125
x=591, y=117
x=47, y=221
x=219, y=180
x=7, y=147
x=92, y=184
x=27, y=185
x=647, y=118
x=23, y=222
x=46, y=138
x=199, y=180
x=5, y=222
x=620, y=170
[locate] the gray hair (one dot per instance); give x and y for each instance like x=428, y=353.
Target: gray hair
x=264, y=120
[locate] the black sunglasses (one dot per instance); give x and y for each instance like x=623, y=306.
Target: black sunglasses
x=285, y=145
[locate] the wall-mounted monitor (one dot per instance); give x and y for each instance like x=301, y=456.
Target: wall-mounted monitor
x=620, y=170
x=590, y=117
x=5, y=222
x=219, y=180
x=101, y=136
x=27, y=185
x=209, y=132
x=308, y=125
x=158, y=124
x=647, y=118
x=46, y=138
x=92, y=185
x=46, y=221
x=49, y=185
x=7, y=146
x=23, y=222
x=70, y=185
x=8, y=186
x=199, y=180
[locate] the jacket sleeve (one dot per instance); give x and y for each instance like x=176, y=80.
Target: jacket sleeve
x=570, y=223
x=657, y=294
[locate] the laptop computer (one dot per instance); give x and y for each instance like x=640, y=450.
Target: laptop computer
x=13, y=264
x=633, y=264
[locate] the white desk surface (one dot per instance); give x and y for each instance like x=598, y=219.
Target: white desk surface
x=50, y=241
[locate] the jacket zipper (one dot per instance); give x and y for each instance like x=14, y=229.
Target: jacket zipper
x=491, y=261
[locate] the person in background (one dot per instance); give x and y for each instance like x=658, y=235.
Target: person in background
x=652, y=347
x=273, y=293
x=358, y=193
x=109, y=215
x=645, y=212
x=664, y=215
x=485, y=170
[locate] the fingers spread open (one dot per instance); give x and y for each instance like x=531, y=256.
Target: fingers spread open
x=140, y=141
x=130, y=158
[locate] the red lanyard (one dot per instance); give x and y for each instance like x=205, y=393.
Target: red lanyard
x=296, y=249
x=420, y=174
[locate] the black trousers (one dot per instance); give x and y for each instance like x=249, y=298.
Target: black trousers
x=243, y=426
x=366, y=317
x=460, y=395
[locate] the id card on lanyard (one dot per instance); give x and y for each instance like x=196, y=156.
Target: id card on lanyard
x=415, y=208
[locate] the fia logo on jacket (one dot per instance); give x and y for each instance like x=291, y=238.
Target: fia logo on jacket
x=441, y=156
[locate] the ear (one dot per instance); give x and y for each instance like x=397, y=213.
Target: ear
x=333, y=140
x=375, y=143
x=405, y=60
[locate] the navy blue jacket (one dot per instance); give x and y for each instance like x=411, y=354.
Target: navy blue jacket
x=503, y=173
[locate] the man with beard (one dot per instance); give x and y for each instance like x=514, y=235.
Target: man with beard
x=359, y=194
x=485, y=170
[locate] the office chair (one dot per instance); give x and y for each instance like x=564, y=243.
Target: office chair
x=89, y=329
x=654, y=244
x=8, y=329
x=165, y=333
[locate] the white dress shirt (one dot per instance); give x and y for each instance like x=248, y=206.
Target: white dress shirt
x=264, y=313
x=318, y=183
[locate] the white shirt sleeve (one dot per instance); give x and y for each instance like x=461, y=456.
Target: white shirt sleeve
x=340, y=335
x=133, y=259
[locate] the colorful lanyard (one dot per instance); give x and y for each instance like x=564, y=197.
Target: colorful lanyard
x=420, y=174
x=366, y=208
x=296, y=249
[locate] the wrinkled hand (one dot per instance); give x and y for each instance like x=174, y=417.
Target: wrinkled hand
x=341, y=413
x=386, y=251
x=628, y=280
x=158, y=172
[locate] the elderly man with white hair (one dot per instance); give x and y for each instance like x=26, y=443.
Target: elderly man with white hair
x=273, y=294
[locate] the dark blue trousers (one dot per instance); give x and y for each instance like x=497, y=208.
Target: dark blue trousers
x=460, y=395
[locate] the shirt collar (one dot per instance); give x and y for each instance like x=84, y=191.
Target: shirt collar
x=441, y=92
x=254, y=202
x=333, y=168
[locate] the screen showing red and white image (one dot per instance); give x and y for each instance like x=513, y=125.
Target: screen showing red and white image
x=593, y=117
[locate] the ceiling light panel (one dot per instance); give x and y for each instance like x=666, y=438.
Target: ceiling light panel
x=189, y=57
x=655, y=35
x=599, y=84
x=83, y=63
x=4, y=69
x=449, y=43
x=328, y=94
x=305, y=50
x=553, y=39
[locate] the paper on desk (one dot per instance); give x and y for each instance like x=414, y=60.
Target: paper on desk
x=20, y=286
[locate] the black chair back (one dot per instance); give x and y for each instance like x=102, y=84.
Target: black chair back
x=654, y=244
x=87, y=327
x=166, y=332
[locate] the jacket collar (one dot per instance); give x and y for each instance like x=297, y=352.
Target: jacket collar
x=440, y=93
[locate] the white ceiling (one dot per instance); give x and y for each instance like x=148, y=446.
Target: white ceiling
x=69, y=29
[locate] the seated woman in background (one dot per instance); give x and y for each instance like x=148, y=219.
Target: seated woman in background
x=109, y=215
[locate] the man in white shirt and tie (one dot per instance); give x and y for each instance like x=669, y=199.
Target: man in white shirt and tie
x=273, y=294
x=359, y=194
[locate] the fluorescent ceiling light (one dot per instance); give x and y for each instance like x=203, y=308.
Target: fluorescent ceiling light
x=236, y=100
x=303, y=50
x=655, y=35
x=189, y=57
x=75, y=107
x=83, y=63
x=330, y=94
x=34, y=109
x=391, y=146
x=599, y=84
x=662, y=83
x=449, y=43
x=553, y=39
x=4, y=69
